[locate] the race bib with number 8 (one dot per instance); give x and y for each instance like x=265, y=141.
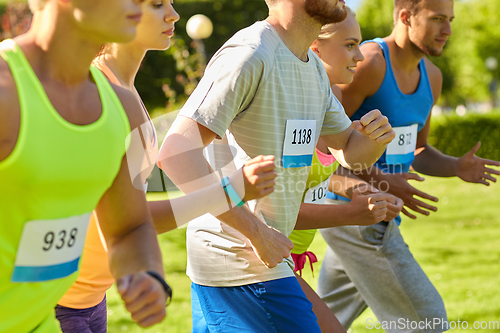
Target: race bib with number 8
x=299, y=144
x=50, y=249
x=401, y=150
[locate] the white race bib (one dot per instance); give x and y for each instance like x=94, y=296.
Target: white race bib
x=317, y=194
x=401, y=150
x=50, y=249
x=299, y=144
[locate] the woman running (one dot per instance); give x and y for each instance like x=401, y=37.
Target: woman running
x=83, y=307
x=338, y=47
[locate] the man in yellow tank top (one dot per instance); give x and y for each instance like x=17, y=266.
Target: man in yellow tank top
x=62, y=147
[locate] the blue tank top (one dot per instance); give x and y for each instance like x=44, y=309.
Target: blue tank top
x=401, y=109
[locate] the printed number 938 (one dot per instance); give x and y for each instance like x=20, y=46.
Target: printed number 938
x=58, y=240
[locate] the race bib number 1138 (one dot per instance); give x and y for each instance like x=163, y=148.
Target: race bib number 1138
x=300, y=141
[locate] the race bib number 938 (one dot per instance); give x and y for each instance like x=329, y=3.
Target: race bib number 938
x=50, y=249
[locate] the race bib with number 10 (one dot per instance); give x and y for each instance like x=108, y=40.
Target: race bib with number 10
x=317, y=194
x=300, y=141
x=50, y=249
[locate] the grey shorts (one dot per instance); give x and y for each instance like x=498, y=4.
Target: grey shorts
x=373, y=266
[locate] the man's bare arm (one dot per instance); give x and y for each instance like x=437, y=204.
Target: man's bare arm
x=430, y=161
x=181, y=156
x=255, y=179
x=361, y=145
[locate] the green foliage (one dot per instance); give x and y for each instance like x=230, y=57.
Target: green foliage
x=228, y=16
x=375, y=18
x=455, y=136
x=169, y=77
x=476, y=34
x=15, y=18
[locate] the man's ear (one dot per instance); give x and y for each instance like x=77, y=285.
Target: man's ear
x=404, y=17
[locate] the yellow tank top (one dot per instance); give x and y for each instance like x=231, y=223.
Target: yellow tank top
x=51, y=182
x=316, y=188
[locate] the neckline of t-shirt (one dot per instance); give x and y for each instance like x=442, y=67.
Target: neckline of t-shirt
x=296, y=59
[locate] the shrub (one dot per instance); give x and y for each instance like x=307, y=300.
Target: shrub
x=454, y=135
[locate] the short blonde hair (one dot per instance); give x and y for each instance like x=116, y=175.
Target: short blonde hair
x=328, y=30
x=36, y=5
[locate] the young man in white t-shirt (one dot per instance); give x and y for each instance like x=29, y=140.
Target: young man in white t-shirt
x=273, y=94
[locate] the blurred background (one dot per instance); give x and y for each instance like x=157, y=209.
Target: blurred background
x=458, y=247
x=469, y=63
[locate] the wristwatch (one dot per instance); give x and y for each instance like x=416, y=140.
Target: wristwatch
x=165, y=285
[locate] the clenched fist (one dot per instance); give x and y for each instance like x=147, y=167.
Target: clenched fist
x=144, y=298
x=375, y=126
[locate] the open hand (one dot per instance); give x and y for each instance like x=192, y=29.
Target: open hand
x=144, y=298
x=472, y=169
x=256, y=179
x=398, y=185
x=375, y=126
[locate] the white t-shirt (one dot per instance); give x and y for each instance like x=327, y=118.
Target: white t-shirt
x=252, y=86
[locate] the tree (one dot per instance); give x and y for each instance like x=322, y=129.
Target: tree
x=168, y=78
x=375, y=18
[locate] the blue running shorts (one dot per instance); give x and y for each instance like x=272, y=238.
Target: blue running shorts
x=271, y=306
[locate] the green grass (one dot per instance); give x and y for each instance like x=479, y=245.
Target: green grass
x=458, y=247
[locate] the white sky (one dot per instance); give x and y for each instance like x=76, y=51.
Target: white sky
x=354, y=4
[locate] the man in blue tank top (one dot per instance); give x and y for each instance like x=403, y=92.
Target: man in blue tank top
x=372, y=266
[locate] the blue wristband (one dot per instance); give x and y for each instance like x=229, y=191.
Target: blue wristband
x=231, y=192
